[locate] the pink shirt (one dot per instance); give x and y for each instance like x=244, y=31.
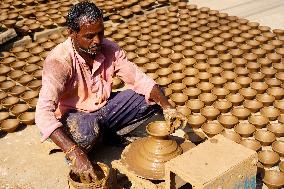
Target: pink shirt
x=68, y=83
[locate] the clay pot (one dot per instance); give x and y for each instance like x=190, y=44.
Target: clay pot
x=179, y=98
x=8, y=60
x=252, y=105
x=274, y=57
x=277, y=92
x=190, y=71
x=276, y=128
x=18, y=109
x=245, y=129
x=196, y=120
x=17, y=90
x=229, y=75
x=9, y=101
x=26, y=96
x=214, y=71
x=259, y=121
x=140, y=61
x=251, y=144
x=205, y=87
x=7, y=85
x=177, y=87
x=201, y=66
x=195, y=105
x=9, y=125
x=190, y=81
x=241, y=71
x=177, y=77
x=210, y=112
x=232, y=135
x=35, y=84
x=163, y=81
x=260, y=87
x=270, y=112
x=25, y=79
x=27, y=118
x=32, y=102
x=241, y=113
x=223, y=105
x=243, y=81
x=48, y=45
x=17, y=65
x=233, y=87
x=266, y=99
x=37, y=74
x=268, y=158
x=278, y=147
x=30, y=68
x=192, y=92
x=228, y=121
x=272, y=82
x=165, y=52
x=188, y=61
x=212, y=128
x=280, y=76
x=184, y=110
x=273, y=179
x=34, y=60
x=217, y=81
x=151, y=67
x=164, y=71
x=177, y=67
x=4, y=115
x=264, y=137
x=207, y=98
x=280, y=117
x=235, y=99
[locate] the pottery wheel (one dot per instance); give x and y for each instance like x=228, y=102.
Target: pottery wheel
x=132, y=157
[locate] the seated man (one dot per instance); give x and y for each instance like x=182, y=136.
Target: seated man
x=76, y=103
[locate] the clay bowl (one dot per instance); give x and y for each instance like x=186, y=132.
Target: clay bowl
x=33, y=59
x=257, y=76
x=280, y=76
x=214, y=71
x=259, y=121
x=17, y=65
x=260, y=87
x=229, y=75
x=268, y=158
x=212, y=128
x=37, y=74
x=204, y=76
x=163, y=81
x=241, y=113
x=25, y=79
x=17, y=90
x=151, y=67
x=233, y=87
x=241, y=71
x=201, y=66
x=196, y=120
x=278, y=147
x=176, y=77
x=272, y=82
x=276, y=128
x=277, y=92
x=205, y=87
x=176, y=57
x=177, y=87
x=245, y=129
x=18, y=109
x=177, y=67
x=266, y=99
x=268, y=72
x=164, y=71
x=3, y=78
x=235, y=99
x=223, y=105
x=190, y=71
x=281, y=166
x=26, y=96
x=251, y=144
x=9, y=23
x=243, y=81
x=232, y=135
x=228, y=121
x=252, y=105
x=279, y=104
x=264, y=137
x=270, y=112
x=4, y=70
x=15, y=74
x=179, y=98
x=207, y=98
x=195, y=105
x=192, y=92
x=27, y=118
x=273, y=179
x=188, y=61
x=30, y=68
x=280, y=117
x=190, y=81
x=164, y=62
x=210, y=112
x=35, y=84
x=9, y=101
x=9, y=125
x=184, y=110
x=4, y=115
x=221, y=93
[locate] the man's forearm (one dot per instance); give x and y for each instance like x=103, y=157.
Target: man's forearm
x=159, y=97
x=60, y=138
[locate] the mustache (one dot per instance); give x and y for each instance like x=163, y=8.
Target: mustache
x=88, y=50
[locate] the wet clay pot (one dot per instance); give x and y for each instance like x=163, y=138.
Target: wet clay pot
x=245, y=129
x=9, y=125
x=151, y=153
x=273, y=179
x=228, y=121
x=212, y=128
x=196, y=120
x=251, y=144
x=264, y=137
x=268, y=158
x=278, y=146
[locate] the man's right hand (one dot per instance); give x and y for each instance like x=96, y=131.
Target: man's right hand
x=81, y=165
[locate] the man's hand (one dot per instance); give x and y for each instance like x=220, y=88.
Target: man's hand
x=174, y=119
x=81, y=165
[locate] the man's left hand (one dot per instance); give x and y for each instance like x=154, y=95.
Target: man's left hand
x=174, y=119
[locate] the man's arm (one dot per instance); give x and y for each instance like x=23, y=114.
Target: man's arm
x=159, y=97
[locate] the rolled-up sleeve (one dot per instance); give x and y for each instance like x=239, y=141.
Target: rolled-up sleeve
x=132, y=75
x=55, y=75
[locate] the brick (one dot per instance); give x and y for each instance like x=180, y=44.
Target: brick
x=216, y=163
x=48, y=32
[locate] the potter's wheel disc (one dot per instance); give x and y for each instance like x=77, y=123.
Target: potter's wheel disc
x=129, y=158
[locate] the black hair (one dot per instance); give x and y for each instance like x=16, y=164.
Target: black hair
x=82, y=10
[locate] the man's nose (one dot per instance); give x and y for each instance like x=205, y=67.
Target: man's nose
x=96, y=40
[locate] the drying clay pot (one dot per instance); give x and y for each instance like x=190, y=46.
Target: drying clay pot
x=264, y=137
x=190, y=81
x=251, y=144
x=252, y=105
x=278, y=146
x=245, y=129
x=241, y=113
x=273, y=179
x=232, y=135
x=18, y=109
x=212, y=128
x=177, y=87
x=223, y=105
x=276, y=128
x=9, y=125
x=268, y=158
x=9, y=101
x=27, y=118
x=259, y=121
x=207, y=98
x=260, y=87
x=163, y=81
x=4, y=115
x=235, y=99
x=265, y=98
x=17, y=90
x=221, y=93
x=196, y=120
x=210, y=112
x=277, y=92
x=7, y=85
x=192, y=92
x=228, y=121
x=205, y=87
x=270, y=112
x=243, y=81
x=179, y=98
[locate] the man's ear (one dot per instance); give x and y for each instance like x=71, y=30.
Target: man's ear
x=71, y=33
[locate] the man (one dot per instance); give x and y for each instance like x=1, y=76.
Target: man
x=76, y=104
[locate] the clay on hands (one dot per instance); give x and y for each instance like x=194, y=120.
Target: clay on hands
x=174, y=119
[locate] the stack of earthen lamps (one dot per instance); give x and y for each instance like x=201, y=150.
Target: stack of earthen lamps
x=225, y=73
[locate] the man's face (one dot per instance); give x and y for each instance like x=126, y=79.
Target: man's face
x=89, y=39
